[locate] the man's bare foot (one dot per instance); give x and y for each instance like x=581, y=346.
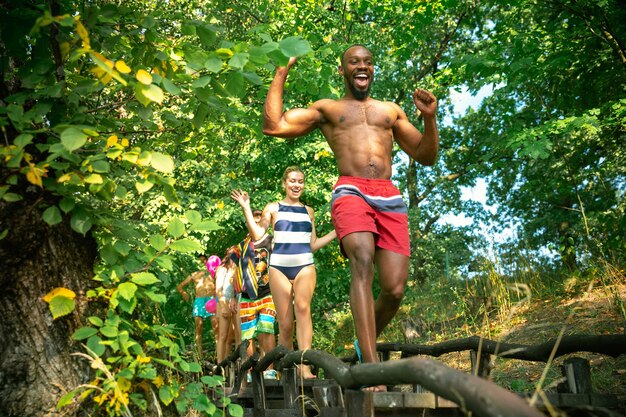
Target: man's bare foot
x=377, y=388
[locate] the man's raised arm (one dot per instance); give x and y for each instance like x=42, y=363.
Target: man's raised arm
x=290, y=124
x=422, y=148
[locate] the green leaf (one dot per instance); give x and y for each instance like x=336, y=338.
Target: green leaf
x=258, y=55
x=127, y=290
x=122, y=247
x=67, y=204
x=152, y=92
x=143, y=185
x=235, y=84
x=23, y=140
x=207, y=35
x=127, y=305
x=109, y=331
x=253, y=78
x=165, y=262
x=67, y=398
x=166, y=394
x=195, y=367
x=84, y=333
x=95, y=345
x=164, y=362
x=294, y=46
x=162, y=162
x=239, y=60
x=100, y=166
x=186, y=246
x=120, y=192
x=93, y=179
x=235, y=410
x=193, y=216
x=176, y=228
x=52, y=215
x=158, y=242
x=205, y=226
x=279, y=58
x=213, y=64
x=157, y=298
x=200, y=115
x=170, y=87
x=140, y=96
x=11, y=197
x=144, y=278
x=96, y=321
x=73, y=138
x=81, y=222
x=61, y=306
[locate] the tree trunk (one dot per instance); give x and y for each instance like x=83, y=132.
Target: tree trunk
x=36, y=366
x=568, y=250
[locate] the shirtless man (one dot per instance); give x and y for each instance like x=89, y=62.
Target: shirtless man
x=368, y=212
x=205, y=289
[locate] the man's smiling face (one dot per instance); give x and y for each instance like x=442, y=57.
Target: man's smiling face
x=358, y=71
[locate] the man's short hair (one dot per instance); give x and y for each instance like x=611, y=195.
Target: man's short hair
x=257, y=212
x=343, y=55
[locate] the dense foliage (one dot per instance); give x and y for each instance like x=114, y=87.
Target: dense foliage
x=134, y=121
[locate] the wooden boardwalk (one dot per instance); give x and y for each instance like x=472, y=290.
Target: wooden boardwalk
x=417, y=386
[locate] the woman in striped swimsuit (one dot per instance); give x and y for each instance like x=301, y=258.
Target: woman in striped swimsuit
x=292, y=271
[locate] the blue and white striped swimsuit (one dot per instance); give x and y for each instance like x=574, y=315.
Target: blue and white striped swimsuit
x=292, y=240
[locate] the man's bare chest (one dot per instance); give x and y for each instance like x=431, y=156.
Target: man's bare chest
x=360, y=115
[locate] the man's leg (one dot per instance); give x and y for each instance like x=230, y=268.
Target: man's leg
x=393, y=270
x=359, y=247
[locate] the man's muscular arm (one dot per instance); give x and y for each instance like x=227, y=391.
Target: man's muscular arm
x=290, y=124
x=421, y=147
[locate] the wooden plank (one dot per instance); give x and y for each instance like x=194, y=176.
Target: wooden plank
x=572, y=400
x=444, y=403
x=388, y=400
x=282, y=412
x=420, y=400
x=604, y=400
x=332, y=412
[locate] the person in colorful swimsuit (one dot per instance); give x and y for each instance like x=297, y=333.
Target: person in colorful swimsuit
x=258, y=314
x=292, y=271
x=204, y=289
x=368, y=212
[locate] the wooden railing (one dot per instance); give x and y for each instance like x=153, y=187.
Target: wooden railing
x=470, y=391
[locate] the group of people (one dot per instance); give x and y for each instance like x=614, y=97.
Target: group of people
x=369, y=215
x=252, y=287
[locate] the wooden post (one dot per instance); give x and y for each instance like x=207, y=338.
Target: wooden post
x=480, y=366
x=359, y=403
x=329, y=400
x=578, y=374
x=258, y=394
x=290, y=387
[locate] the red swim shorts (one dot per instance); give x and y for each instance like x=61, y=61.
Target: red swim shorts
x=371, y=205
